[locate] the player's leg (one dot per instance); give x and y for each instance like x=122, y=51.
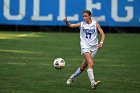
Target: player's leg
x=77, y=72
x=90, y=63
x=83, y=65
x=89, y=59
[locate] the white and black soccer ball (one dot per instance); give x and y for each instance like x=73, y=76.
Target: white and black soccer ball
x=59, y=63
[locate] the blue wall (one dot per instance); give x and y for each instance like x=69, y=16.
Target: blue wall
x=52, y=12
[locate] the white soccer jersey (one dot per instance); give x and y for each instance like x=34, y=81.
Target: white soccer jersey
x=88, y=35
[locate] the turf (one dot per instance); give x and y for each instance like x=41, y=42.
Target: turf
x=26, y=63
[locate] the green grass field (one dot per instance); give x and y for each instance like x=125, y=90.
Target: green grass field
x=26, y=63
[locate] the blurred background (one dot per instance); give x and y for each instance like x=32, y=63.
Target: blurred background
x=48, y=15
x=33, y=34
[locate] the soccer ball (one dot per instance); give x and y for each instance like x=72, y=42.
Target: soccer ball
x=59, y=63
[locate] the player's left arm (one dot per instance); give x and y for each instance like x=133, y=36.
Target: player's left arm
x=102, y=35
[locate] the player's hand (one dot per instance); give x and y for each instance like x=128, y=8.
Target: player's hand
x=65, y=20
x=100, y=45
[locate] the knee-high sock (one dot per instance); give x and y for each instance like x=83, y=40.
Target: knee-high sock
x=77, y=73
x=91, y=75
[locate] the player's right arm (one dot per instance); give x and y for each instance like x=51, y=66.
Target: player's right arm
x=71, y=25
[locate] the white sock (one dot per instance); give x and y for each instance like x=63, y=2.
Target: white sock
x=90, y=75
x=77, y=73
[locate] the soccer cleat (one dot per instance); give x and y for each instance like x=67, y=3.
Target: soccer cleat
x=69, y=81
x=95, y=84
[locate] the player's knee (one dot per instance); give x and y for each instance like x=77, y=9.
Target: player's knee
x=90, y=65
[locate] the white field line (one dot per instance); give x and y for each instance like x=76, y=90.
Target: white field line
x=18, y=36
x=18, y=63
x=17, y=51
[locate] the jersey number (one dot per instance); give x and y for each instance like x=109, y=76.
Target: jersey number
x=88, y=35
x=89, y=32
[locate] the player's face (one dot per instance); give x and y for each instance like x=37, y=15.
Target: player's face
x=86, y=17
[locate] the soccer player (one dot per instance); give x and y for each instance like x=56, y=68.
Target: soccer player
x=89, y=45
